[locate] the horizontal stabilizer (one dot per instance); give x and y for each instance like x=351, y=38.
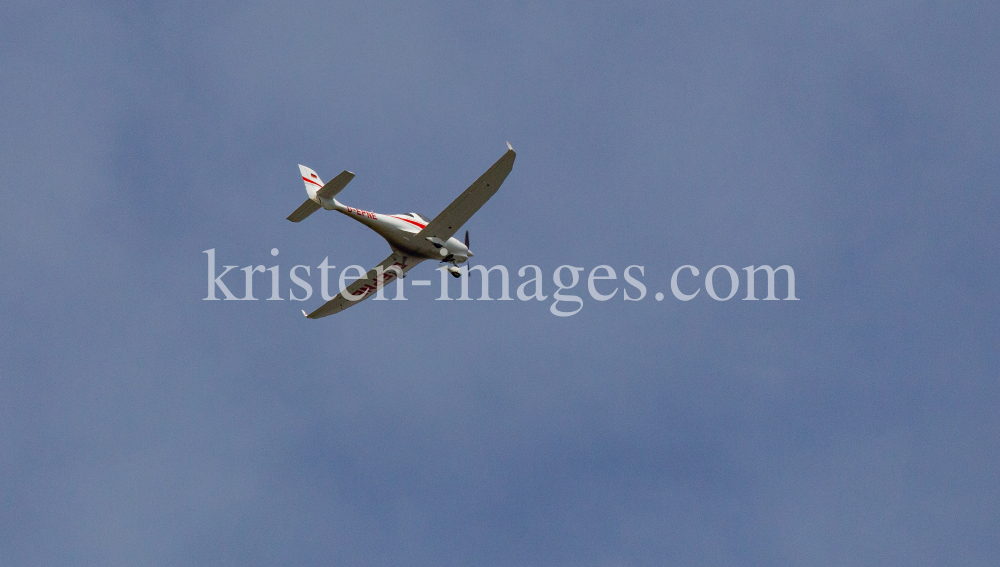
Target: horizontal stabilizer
x=335, y=185
x=304, y=210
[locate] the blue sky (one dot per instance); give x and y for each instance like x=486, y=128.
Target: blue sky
x=855, y=141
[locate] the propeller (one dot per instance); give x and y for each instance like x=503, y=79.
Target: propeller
x=468, y=263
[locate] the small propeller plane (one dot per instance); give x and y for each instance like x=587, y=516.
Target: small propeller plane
x=411, y=236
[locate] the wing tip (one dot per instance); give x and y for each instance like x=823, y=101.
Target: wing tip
x=509, y=147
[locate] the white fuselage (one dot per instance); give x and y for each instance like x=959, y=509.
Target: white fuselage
x=401, y=230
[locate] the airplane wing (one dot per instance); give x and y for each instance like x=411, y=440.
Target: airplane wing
x=447, y=223
x=366, y=287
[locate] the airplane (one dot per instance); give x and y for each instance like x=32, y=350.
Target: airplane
x=411, y=236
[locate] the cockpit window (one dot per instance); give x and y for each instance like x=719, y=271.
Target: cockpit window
x=421, y=217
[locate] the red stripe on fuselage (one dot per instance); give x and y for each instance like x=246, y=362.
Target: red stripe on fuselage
x=409, y=221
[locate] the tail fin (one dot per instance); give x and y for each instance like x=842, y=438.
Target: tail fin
x=312, y=181
x=313, y=185
x=318, y=191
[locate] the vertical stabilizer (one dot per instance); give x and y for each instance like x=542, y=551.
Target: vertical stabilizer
x=312, y=181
